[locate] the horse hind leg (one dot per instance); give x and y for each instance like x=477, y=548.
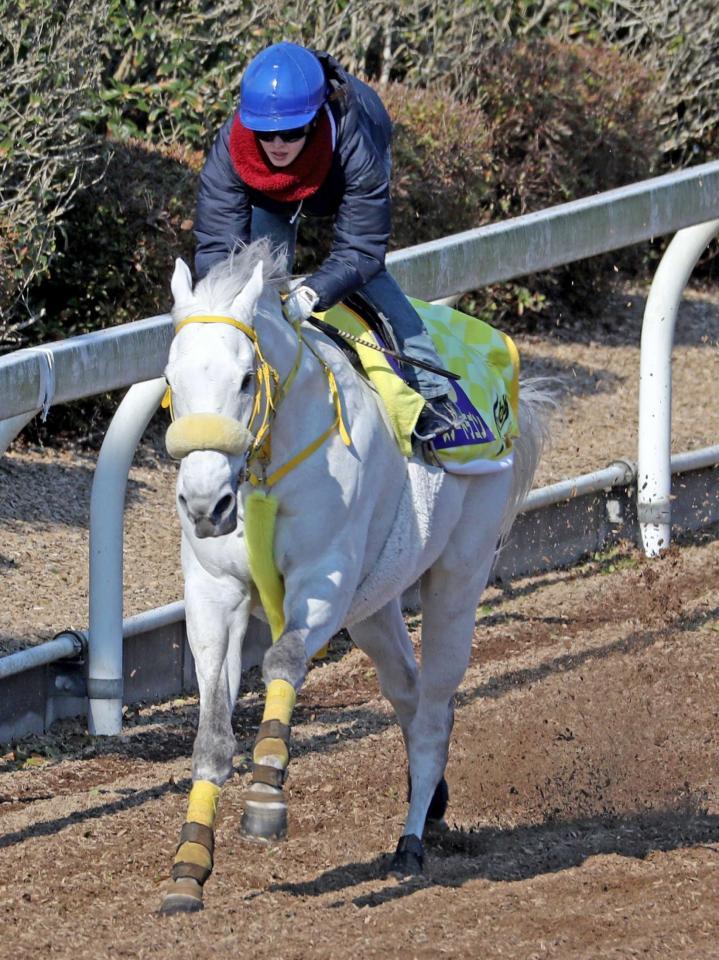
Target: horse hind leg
x=428, y=740
x=437, y=805
x=386, y=641
x=450, y=592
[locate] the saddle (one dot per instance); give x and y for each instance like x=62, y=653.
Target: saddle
x=487, y=392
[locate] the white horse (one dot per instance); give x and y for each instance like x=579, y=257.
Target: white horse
x=357, y=524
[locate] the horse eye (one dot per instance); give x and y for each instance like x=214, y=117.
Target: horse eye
x=246, y=381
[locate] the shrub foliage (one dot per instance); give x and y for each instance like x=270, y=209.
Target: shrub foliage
x=174, y=67
x=553, y=124
x=50, y=62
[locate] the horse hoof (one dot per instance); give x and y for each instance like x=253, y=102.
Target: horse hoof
x=264, y=821
x=184, y=896
x=408, y=860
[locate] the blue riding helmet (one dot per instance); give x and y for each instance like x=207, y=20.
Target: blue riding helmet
x=283, y=87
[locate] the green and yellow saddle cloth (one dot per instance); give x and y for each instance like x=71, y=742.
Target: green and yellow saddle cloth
x=487, y=393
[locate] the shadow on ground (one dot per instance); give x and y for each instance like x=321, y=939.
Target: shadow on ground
x=519, y=853
x=170, y=732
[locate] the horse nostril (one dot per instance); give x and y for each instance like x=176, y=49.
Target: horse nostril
x=183, y=503
x=222, y=506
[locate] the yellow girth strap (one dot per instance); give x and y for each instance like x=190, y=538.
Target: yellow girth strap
x=259, y=532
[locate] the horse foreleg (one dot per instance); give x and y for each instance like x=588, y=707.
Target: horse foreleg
x=217, y=614
x=310, y=625
x=265, y=811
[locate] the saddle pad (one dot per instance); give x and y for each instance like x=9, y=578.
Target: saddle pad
x=487, y=393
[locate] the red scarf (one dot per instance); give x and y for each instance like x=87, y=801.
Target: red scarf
x=303, y=177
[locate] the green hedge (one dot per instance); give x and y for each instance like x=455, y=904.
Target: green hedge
x=50, y=61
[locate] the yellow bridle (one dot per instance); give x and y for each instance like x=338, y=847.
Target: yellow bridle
x=217, y=432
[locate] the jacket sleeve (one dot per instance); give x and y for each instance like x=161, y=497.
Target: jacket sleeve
x=362, y=228
x=223, y=213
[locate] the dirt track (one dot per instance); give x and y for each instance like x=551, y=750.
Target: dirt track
x=584, y=813
x=584, y=818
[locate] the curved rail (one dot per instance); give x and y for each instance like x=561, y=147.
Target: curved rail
x=107, y=509
x=655, y=384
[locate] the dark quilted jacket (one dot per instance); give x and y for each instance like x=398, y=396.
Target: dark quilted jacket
x=355, y=193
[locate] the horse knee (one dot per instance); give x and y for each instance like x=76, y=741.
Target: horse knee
x=286, y=660
x=212, y=755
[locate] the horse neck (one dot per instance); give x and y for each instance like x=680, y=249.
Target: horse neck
x=306, y=409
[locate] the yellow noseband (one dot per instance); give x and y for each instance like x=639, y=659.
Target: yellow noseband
x=207, y=431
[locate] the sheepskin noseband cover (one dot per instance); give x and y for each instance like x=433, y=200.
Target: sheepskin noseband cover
x=206, y=431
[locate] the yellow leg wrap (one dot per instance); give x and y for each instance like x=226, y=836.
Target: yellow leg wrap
x=202, y=805
x=280, y=701
x=202, y=809
x=194, y=853
x=271, y=747
x=279, y=704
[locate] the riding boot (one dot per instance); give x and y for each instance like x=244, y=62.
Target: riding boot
x=439, y=415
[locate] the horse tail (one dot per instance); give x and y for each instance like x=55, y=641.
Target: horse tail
x=537, y=403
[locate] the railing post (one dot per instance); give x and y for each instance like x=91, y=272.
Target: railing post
x=107, y=507
x=655, y=384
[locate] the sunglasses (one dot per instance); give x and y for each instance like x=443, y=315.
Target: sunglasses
x=286, y=136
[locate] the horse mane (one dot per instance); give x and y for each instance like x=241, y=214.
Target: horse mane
x=216, y=291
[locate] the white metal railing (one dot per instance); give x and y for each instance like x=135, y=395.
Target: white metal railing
x=560, y=234
x=136, y=354
x=654, y=477
x=120, y=356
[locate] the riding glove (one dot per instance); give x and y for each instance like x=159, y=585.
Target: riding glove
x=300, y=304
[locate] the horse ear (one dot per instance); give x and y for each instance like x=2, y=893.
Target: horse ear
x=181, y=284
x=245, y=302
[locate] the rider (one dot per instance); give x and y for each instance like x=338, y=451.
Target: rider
x=309, y=137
